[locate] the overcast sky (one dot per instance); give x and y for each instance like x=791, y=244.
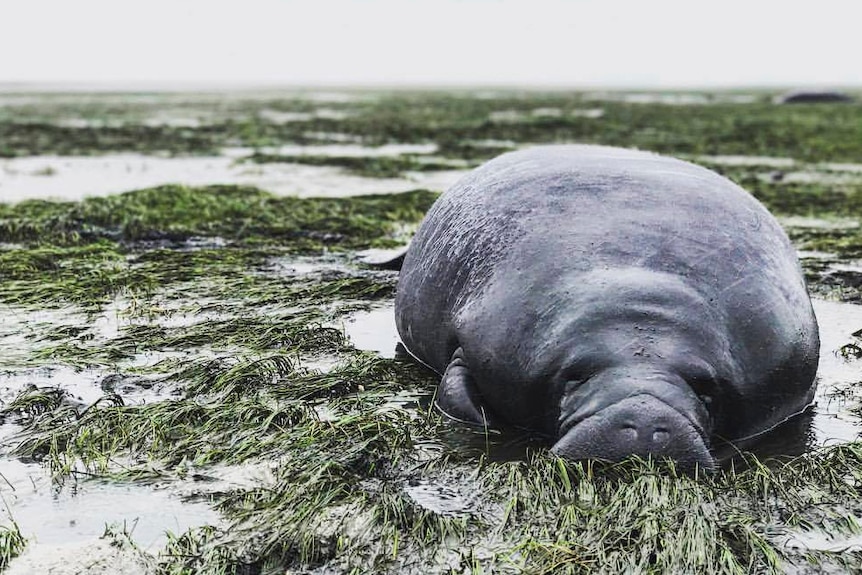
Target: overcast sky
x=637, y=43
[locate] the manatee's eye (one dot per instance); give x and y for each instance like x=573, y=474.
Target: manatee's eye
x=704, y=387
x=701, y=378
x=580, y=369
x=708, y=390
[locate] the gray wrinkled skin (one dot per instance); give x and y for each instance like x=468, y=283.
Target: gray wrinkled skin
x=620, y=302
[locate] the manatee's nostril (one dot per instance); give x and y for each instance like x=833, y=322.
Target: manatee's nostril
x=661, y=435
x=629, y=432
x=636, y=426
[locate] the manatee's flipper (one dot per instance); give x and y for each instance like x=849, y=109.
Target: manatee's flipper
x=383, y=259
x=457, y=395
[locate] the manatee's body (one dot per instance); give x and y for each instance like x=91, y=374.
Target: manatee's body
x=619, y=301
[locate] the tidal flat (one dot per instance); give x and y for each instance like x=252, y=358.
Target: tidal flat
x=199, y=374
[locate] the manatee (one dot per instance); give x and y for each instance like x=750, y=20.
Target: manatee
x=618, y=302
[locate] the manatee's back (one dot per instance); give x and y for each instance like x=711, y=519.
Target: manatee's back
x=461, y=241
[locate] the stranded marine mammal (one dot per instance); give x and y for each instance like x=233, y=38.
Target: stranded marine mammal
x=618, y=301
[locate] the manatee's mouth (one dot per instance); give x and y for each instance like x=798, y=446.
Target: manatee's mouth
x=641, y=424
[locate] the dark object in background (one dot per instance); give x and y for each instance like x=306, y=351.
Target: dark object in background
x=814, y=97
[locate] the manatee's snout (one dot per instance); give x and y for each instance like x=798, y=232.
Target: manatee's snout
x=640, y=425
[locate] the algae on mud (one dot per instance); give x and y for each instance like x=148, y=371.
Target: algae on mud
x=718, y=126
x=208, y=320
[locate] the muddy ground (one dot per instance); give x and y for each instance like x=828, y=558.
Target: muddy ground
x=199, y=375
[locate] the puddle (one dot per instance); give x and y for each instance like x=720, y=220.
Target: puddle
x=832, y=421
x=516, y=116
x=768, y=161
x=282, y=117
x=447, y=500
x=819, y=223
x=349, y=150
x=492, y=143
x=279, y=117
x=588, y=113
x=298, y=266
x=815, y=255
x=812, y=177
x=853, y=267
x=100, y=556
x=73, y=178
x=821, y=541
x=20, y=329
x=437, y=181
x=373, y=330
x=334, y=137
x=854, y=168
x=83, y=386
x=223, y=478
x=86, y=386
x=78, y=513
x=172, y=122
x=87, y=123
x=23, y=333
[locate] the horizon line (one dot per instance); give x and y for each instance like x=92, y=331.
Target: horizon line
x=60, y=86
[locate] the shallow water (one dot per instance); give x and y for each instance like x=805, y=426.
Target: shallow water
x=768, y=161
x=837, y=390
x=517, y=116
x=373, y=330
x=444, y=499
x=65, y=527
x=78, y=513
x=281, y=117
x=814, y=177
x=348, y=150
x=74, y=178
x=18, y=329
x=820, y=541
x=855, y=168
x=833, y=223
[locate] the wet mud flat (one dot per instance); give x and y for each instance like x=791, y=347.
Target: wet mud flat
x=203, y=379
